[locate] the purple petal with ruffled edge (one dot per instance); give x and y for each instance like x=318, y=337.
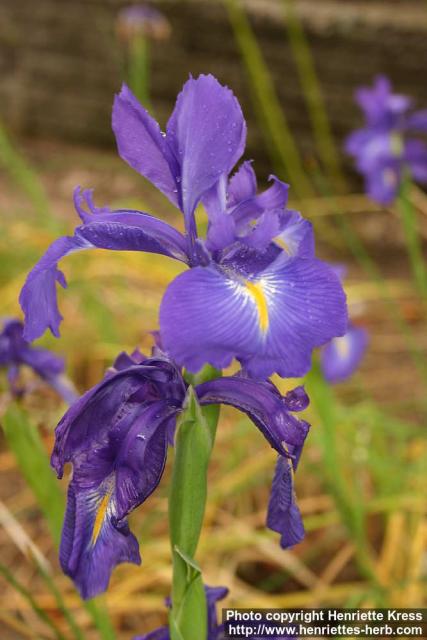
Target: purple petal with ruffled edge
x=141, y=144
x=242, y=185
x=341, y=357
x=118, y=231
x=207, y=133
x=283, y=515
x=115, y=473
x=116, y=437
x=270, y=322
x=262, y=403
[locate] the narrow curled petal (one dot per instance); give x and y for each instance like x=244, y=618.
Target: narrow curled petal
x=341, y=357
x=117, y=231
x=207, y=134
x=283, y=514
x=142, y=145
x=38, y=298
x=271, y=323
x=264, y=406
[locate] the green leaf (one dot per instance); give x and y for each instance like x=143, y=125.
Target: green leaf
x=27, y=446
x=189, y=612
x=193, y=445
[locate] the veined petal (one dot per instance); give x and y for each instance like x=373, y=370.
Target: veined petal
x=207, y=317
x=306, y=304
x=142, y=145
x=116, y=438
x=264, y=406
x=283, y=515
x=91, y=545
x=207, y=133
x=118, y=231
x=341, y=357
x=270, y=322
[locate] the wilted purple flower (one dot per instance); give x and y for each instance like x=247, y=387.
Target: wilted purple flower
x=341, y=356
x=254, y=291
x=16, y=352
x=383, y=149
x=142, y=20
x=116, y=437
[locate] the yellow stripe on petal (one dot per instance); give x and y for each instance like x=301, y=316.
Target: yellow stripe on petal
x=100, y=516
x=284, y=245
x=258, y=295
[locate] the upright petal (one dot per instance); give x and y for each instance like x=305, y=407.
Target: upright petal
x=207, y=133
x=118, y=231
x=283, y=515
x=242, y=185
x=142, y=145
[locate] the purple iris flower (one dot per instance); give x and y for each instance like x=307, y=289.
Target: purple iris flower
x=213, y=594
x=215, y=630
x=254, y=290
x=383, y=149
x=142, y=20
x=16, y=352
x=116, y=437
x=341, y=356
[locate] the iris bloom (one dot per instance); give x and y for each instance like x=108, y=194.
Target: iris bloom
x=341, y=356
x=213, y=594
x=16, y=352
x=142, y=20
x=215, y=630
x=116, y=437
x=254, y=290
x=385, y=147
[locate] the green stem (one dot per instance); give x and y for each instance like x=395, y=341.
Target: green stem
x=187, y=501
x=139, y=65
x=280, y=139
x=40, y=613
x=412, y=237
x=313, y=95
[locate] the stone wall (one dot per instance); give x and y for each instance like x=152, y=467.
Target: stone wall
x=60, y=66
